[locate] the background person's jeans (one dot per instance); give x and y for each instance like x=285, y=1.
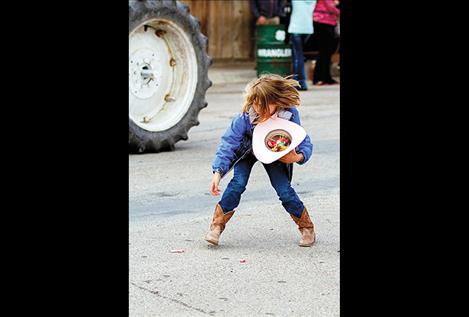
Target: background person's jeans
x=279, y=178
x=327, y=45
x=298, y=59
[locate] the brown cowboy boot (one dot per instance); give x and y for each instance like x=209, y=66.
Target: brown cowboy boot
x=218, y=224
x=306, y=227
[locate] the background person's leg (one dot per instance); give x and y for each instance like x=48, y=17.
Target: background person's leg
x=298, y=60
x=330, y=46
x=318, y=75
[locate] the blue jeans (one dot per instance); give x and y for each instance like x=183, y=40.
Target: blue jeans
x=298, y=59
x=279, y=178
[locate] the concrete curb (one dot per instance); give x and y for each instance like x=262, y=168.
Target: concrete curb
x=241, y=73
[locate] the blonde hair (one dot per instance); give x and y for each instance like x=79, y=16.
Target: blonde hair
x=271, y=89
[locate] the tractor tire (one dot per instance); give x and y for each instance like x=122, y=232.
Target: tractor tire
x=168, y=74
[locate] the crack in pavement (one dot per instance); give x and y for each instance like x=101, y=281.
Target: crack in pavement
x=157, y=293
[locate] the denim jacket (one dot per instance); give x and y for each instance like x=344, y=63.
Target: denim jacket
x=236, y=143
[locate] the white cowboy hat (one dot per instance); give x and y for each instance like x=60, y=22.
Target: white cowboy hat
x=267, y=138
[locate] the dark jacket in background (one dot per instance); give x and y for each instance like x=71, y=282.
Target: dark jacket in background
x=267, y=8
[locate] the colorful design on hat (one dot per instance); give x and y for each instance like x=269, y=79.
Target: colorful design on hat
x=278, y=140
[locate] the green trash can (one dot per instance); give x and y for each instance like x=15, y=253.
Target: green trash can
x=272, y=54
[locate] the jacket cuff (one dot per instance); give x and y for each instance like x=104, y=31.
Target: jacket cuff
x=304, y=157
x=217, y=170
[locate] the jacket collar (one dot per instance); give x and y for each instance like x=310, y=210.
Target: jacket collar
x=284, y=114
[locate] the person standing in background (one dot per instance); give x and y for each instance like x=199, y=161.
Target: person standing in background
x=267, y=12
x=324, y=21
x=301, y=24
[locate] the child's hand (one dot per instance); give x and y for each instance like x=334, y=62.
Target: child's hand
x=291, y=157
x=214, y=184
